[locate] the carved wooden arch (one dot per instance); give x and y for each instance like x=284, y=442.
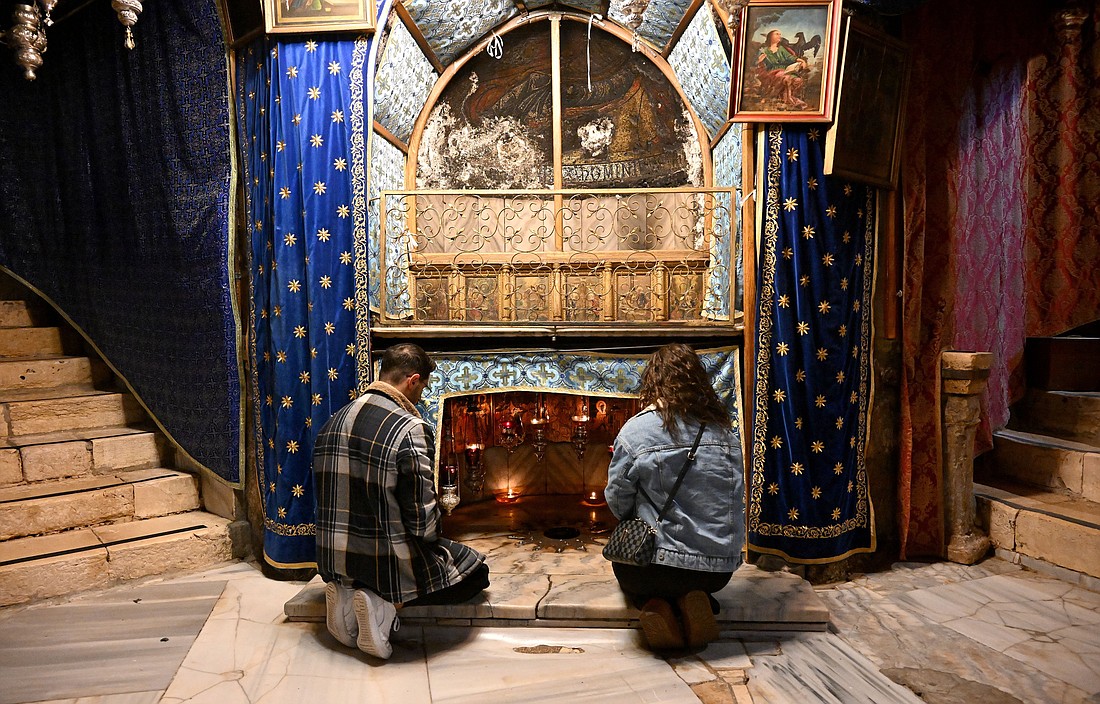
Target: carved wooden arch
x=607, y=26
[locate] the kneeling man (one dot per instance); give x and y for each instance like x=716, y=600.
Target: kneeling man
x=378, y=521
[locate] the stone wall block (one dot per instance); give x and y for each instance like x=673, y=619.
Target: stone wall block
x=11, y=468
x=56, y=460
x=162, y=497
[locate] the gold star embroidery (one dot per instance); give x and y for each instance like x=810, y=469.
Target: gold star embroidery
x=299, y=331
x=272, y=487
x=329, y=328
x=284, y=192
x=792, y=154
x=316, y=398
x=263, y=156
x=352, y=394
x=325, y=281
x=287, y=402
x=349, y=304
x=280, y=356
x=267, y=356
x=309, y=421
x=808, y=232
x=852, y=441
x=827, y=259
x=779, y=395
x=820, y=401
x=788, y=253
x=342, y=211
x=340, y=164
x=319, y=188
x=798, y=422
x=838, y=469
x=350, y=349
x=777, y=442
x=817, y=447
x=855, y=306
x=813, y=134
x=811, y=183
x=337, y=115
x=800, y=375
x=822, y=354
x=840, y=423
x=269, y=400
x=859, y=259
x=333, y=67
x=271, y=441
x=804, y=280
x=323, y=234
x=816, y=492
x=793, y=514
x=840, y=377
x=797, y=469
x=316, y=140
x=773, y=488
x=831, y=211
x=333, y=375
x=294, y=286
x=251, y=95
x=803, y=327
x=263, y=315
x=304, y=377
x=854, y=397
x=290, y=239
x=345, y=257
x=836, y=514
x=847, y=189
x=849, y=487
x=297, y=119
x=790, y=205
x=824, y=307
x=313, y=353
x=292, y=72
x=311, y=46
x=784, y=301
x=292, y=446
x=259, y=224
x=781, y=349
x=855, y=352
x=847, y=237
x=278, y=310
x=282, y=512
x=314, y=93
x=297, y=490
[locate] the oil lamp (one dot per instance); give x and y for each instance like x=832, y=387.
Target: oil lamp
x=538, y=426
x=475, y=473
x=510, y=438
x=449, y=496
x=580, y=431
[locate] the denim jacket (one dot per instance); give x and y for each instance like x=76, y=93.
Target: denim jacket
x=704, y=529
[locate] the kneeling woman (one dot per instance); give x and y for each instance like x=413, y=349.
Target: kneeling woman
x=699, y=540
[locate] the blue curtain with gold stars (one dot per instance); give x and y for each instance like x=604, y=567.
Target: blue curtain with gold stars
x=809, y=500
x=302, y=111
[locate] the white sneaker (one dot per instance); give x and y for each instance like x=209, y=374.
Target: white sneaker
x=340, y=613
x=376, y=617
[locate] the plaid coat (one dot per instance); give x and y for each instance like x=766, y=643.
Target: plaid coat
x=377, y=517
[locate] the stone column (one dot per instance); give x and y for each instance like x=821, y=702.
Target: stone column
x=964, y=376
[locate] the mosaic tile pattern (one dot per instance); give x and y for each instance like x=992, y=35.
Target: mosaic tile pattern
x=401, y=86
x=727, y=172
x=703, y=70
x=659, y=20
x=451, y=26
x=387, y=173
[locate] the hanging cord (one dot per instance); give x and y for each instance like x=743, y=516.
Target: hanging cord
x=588, y=48
x=495, y=48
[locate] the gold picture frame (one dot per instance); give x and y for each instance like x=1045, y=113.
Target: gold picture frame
x=309, y=16
x=787, y=61
x=863, y=144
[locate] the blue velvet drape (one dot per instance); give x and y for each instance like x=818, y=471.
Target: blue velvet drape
x=115, y=202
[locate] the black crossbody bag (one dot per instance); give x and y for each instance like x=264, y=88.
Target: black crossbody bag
x=634, y=542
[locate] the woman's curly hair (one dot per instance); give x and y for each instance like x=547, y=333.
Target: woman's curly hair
x=676, y=383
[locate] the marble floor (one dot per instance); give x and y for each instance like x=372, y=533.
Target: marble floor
x=943, y=633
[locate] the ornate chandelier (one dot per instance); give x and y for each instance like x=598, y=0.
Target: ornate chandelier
x=29, y=20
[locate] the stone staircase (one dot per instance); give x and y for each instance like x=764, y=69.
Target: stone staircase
x=87, y=497
x=1038, y=491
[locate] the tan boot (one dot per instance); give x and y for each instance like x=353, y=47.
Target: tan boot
x=660, y=626
x=700, y=626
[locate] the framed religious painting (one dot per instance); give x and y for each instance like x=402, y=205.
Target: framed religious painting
x=310, y=16
x=863, y=143
x=788, y=55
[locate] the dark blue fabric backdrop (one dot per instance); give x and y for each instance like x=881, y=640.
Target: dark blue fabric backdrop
x=115, y=177
x=809, y=499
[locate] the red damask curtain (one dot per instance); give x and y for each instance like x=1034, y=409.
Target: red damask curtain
x=1000, y=196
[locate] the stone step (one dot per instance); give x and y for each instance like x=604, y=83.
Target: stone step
x=31, y=458
x=48, y=507
x=1046, y=461
x=1041, y=524
x=91, y=409
x=18, y=314
x=1070, y=415
x=26, y=342
x=93, y=558
x=45, y=371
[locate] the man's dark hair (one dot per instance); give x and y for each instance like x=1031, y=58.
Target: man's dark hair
x=401, y=360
